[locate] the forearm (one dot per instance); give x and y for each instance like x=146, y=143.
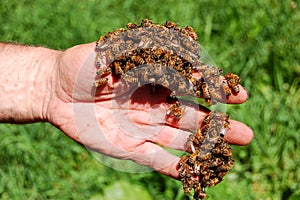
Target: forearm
x=25, y=82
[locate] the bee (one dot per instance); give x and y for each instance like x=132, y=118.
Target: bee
x=200, y=135
x=175, y=66
x=216, y=151
x=227, y=152
x=100, y=59
x=217, y=140
x=138, y=59
x=219, y=117
x=105, y=70
x=115, y=48
x=183, y=71
x=207, y=119
x=101, y=40
x=205, y=91
x=199, y=194
x=214, y=181
x=109, y=35
x=191, y=142
x=144, y=75
x=223, y=168
x=188, y=66
x=185, y=54
x=129, y=44
x=183, y=172
x=191, y=32
x=221, y=175
x=215, y=71
x=129, y=79
x=171, y=61
x=207, y=146
x=146, y=23
x=181, y=86
x=205, y=179
x=118, y=67
x=197, y=168
x=204, y=157
x=119, y=57
x=187, y=186
x=146, y=52
x=129, y=65
x=193, y=81
x=217, y=162
x=186, y=43
x=182, y=162
x=205, y=128
x=198, y=93
x=226, y=88
x=157, y=70
x=166, y=57
x=100, y=82
x=222, y=132
x=148, y=59
x=128, y=54
x=119, y=31
x=170, y=24
x=152, y=81
x=226, y=124
x=205, y=167
x=165, y=83
x=223, y=116
x=176, y=48
x=176, y=110
x=156, y=53
x=122, y=46
x=193, y=157
x=184, y=31
x=131, y=26
x=214, y=129
x=231, y=162
x=233, y=81
x=215, y=95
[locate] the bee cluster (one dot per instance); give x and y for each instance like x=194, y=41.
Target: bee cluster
x=210, y=159
x=169, y=55
x=150, y=53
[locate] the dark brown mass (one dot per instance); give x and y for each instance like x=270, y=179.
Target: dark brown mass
x=135, y=52
x=210, y=159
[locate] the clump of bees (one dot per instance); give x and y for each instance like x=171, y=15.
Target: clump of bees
x=210, y=159
x=169, y=55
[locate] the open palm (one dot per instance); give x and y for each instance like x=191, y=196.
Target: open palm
x=124, y=121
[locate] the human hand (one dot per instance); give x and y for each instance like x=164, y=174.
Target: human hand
x=122, y=121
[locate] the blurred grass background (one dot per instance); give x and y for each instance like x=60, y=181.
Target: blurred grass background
x=259, y=40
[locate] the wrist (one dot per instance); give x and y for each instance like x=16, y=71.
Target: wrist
x=26, y=82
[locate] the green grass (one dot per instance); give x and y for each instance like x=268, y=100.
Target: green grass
x=259, y=40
